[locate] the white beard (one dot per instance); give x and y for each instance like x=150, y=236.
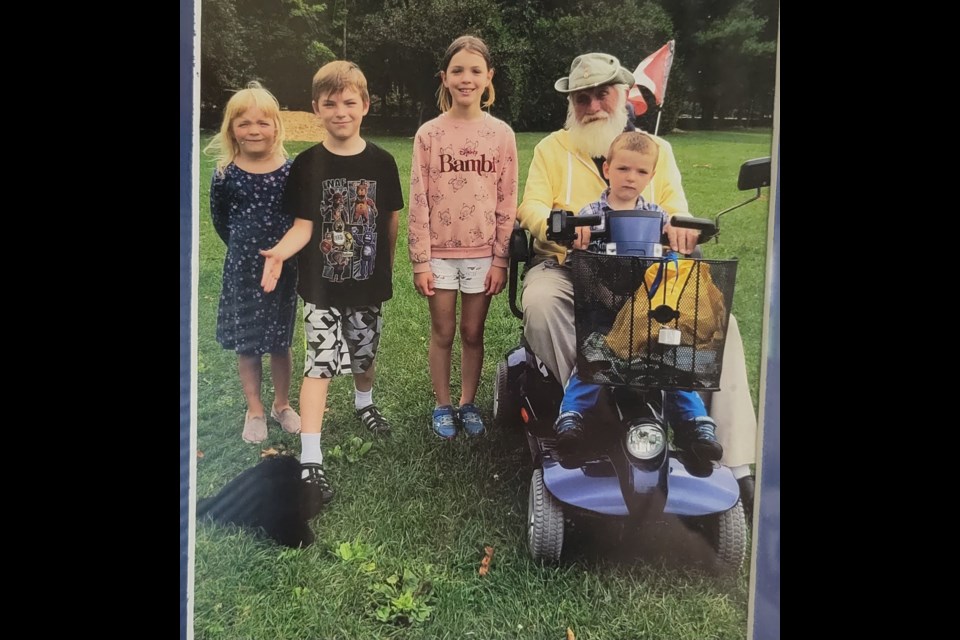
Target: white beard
x=594, y=138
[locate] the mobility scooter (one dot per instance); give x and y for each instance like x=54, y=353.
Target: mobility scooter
x=646, y=322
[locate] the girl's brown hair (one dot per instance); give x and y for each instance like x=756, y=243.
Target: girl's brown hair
x=470, y=43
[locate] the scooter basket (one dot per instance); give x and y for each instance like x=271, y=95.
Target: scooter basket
x=651, y=323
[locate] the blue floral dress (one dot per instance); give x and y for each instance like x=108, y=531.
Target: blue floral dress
x=247, y=215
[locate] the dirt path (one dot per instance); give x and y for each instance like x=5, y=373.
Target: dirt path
x=302, y=126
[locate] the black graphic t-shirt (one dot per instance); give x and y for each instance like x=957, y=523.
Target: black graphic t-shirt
x=350, y=200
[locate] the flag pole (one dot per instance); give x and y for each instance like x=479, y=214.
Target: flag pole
x=656, y=128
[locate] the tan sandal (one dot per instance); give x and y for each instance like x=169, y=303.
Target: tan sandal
x=288, y=419
x=254, y=429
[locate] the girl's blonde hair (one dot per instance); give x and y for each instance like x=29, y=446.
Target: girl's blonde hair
x=224, y=145
x=470, y=43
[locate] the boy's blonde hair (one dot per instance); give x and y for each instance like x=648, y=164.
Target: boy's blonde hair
x=333, y=77
x=470, y=43
x=634, y=141
x=224, y=145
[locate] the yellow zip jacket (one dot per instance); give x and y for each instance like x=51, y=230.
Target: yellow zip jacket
x=561, y=178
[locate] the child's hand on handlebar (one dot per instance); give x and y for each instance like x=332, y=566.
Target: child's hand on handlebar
x=582, y=241
x=682, y=240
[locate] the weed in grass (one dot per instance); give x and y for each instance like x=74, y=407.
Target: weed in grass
x=354, y=449
x=403, y=599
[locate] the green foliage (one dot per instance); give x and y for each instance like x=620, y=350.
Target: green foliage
x=403, y=598
x=225, y=59
x=279, y=42
x=630, y=30
x=354, y=449
x=353, y=551
x=400, y=49
x=728, y=49
x=724, y=60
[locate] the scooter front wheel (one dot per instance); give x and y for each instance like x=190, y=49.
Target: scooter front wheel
x=726, y=533
x=544, y=521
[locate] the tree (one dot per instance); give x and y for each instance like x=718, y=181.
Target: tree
x=629, y=30
x=226, y=63
x=402, y=47
x=727, y=51
x=279, y=42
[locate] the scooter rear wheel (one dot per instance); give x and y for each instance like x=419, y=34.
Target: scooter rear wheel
x=544, y=521
x=504, y=401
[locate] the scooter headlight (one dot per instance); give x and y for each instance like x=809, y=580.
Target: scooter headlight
x=646, y=440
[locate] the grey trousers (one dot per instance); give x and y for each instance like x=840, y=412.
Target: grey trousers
x=548, y=327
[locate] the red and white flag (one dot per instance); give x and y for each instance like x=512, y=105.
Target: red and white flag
x=652, y=73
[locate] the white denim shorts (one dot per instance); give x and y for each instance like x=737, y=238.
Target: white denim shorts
x=466, y=274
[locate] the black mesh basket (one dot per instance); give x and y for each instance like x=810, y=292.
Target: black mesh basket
x=672, y=339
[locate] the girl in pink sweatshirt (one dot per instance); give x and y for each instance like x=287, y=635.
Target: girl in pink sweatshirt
x=463, y=201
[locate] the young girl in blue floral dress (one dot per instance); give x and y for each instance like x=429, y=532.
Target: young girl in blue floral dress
x=245, y=202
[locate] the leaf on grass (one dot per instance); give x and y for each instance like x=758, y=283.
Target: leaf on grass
x=269, y=453
x=199, y=454
x=703, y=166
x=570, y=635
x=487, y=558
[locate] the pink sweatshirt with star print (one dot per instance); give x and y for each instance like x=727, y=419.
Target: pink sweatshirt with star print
x=463, y=191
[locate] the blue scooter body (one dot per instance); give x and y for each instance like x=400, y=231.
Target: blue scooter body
x=615, y=484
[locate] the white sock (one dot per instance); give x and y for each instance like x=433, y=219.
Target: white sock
x=741, y=471
x=310, y=448
x=362, y=399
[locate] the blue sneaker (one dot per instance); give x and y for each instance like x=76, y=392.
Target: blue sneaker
x=699, y=436
x=444, y=424
x=471, y=420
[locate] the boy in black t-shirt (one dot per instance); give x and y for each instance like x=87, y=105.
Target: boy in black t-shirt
x=344, y=194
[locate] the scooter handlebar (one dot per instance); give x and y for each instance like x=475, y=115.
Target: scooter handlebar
x=561, y=227
x=707, y=228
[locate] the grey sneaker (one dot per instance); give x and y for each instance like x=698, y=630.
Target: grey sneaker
x=288, y=419
x=254, y=429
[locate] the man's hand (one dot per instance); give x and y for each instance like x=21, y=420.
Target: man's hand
x=682, y=240
x=423, y=282
x=583, y=238
x=495, y=280
x=272, y=268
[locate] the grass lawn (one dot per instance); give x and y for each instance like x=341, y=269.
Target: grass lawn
x=416, y=513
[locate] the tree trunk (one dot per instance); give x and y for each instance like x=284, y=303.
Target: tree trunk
x=708, y=112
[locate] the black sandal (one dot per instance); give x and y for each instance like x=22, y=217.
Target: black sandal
x=315, y=490
x=373, y=420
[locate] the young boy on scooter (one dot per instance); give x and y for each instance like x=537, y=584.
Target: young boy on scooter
x=629, y=169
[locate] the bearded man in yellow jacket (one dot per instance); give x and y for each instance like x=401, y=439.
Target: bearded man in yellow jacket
x=566, y=174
